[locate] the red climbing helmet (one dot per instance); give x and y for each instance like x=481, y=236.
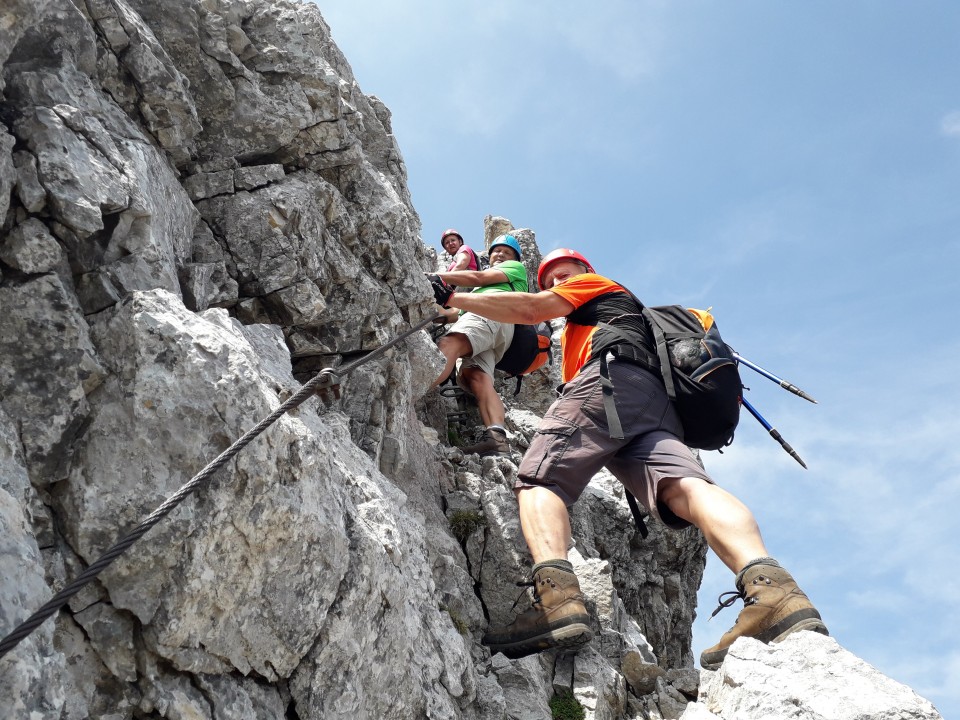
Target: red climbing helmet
x=448, y=232
x=556, y=256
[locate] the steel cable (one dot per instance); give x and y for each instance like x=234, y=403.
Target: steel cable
x=101, y=563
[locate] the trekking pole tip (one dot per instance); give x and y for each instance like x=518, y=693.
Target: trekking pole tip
x=797, y=391
x=788, y=386
x=799, y=460
x=775, y=434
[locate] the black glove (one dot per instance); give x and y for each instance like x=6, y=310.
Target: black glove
x=441, y=291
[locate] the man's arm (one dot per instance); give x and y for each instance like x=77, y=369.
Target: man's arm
x=474, y=278
x=513, y=307
x=448, y=316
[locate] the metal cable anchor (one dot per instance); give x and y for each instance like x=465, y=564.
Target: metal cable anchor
x=327, y=384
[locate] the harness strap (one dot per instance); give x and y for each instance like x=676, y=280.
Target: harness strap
x=626, y=350
x=476, y=258
x=609, y=401
x=637, y=517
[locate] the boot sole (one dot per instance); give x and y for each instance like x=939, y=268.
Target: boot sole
x=486, y=453
x=568, y=637
x=807, y=619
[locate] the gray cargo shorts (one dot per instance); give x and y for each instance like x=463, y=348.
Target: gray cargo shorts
x=573, y=441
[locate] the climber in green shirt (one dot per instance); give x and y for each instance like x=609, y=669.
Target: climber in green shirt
x=481, y=342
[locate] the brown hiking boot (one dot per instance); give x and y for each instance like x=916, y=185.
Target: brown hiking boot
x=557, y=617
x=492, y=442
x=773, y=607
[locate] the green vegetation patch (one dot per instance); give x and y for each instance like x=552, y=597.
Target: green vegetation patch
x=458, y=622
x=463, y=523
x=564, y=706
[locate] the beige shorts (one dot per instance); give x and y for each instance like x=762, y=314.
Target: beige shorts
x=489, y=340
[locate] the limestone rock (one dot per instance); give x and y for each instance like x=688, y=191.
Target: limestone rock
x=50, y=368
x=32, y=676
x=16, y=18
x=807, y=675
x=81, y=182
x=31, y=249
x=7, y=172
x=29, y=190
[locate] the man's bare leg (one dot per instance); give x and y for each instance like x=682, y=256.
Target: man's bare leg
x=557, y=616
x=773, y=604
x=545, y=523
x=481, y=387
x=727, y=524
x=453, y=346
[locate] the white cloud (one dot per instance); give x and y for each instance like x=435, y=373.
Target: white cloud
x=950, y=124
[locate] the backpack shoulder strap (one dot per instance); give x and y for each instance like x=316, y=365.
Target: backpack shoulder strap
x=476, y=258
x=660, y=341
x=662, y=354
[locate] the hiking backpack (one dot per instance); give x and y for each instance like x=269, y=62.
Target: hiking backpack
x=698, y=370
x=529, y=350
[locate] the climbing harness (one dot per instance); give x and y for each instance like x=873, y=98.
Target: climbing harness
x=324, y=383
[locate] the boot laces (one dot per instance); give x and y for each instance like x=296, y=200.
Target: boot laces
x=729, y=598
x=526, y=584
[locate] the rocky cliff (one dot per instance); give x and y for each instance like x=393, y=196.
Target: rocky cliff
x=200, y=209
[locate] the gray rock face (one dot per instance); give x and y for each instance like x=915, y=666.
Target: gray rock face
x=50, y=366
x=805, y=676
x=33, y=677
x=199, y=210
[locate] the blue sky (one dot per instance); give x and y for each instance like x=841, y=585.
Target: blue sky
x=796, y=166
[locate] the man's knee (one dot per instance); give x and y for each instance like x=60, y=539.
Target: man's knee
x=456, y=345
x=476, y=380
x=675, y=492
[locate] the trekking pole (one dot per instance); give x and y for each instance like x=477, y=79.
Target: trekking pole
x=773, y=432
x=780, y=381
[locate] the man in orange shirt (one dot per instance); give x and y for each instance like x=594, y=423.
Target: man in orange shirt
x=573, y=443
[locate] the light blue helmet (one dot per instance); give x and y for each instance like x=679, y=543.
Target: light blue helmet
x=511, y=242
